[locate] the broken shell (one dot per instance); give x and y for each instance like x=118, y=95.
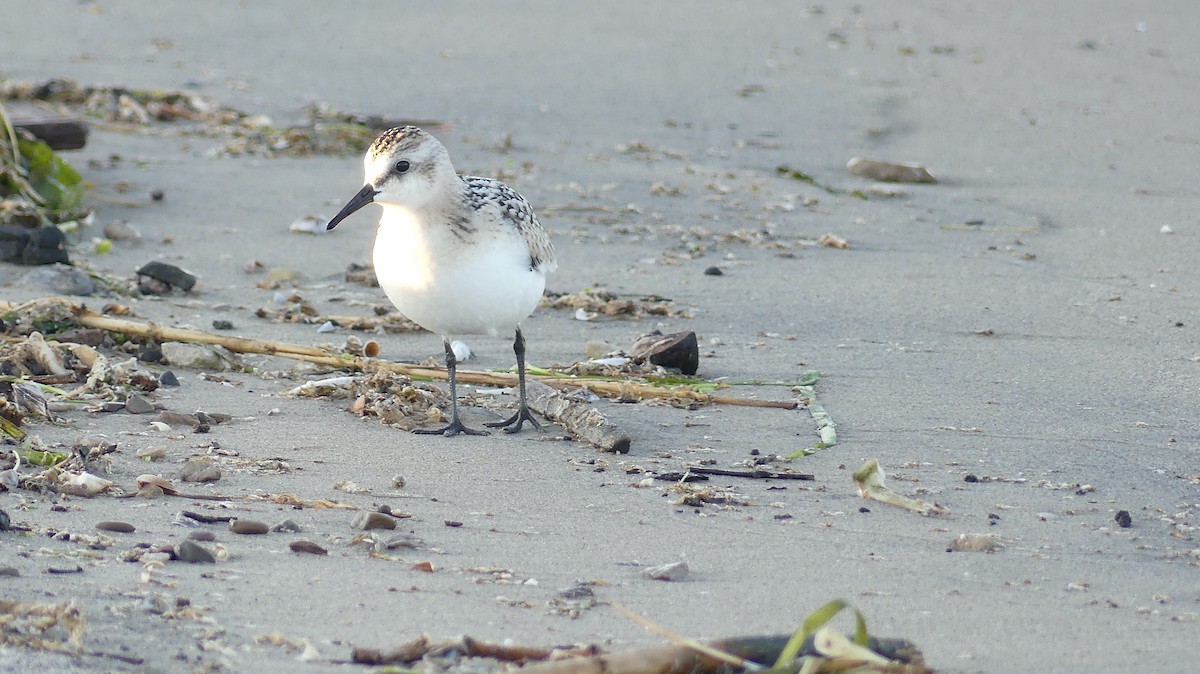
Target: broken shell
x=308, y=224
x=679, y=350
x=148, y=480
x=371, y=349
x=892, y=172
x=83, y=484
x=373, y=520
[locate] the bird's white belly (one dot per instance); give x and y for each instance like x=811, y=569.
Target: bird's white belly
x=451, y=287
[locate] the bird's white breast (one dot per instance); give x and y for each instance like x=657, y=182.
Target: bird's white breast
x=480, y=283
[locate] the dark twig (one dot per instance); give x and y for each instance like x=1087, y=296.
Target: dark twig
x=757, y=473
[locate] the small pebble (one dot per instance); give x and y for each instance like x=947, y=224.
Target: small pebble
x=111, y=406
x=403, y=541
x=669, y=572
x=156, y=194
x=5, y=522
x=971, y=477
x=10, y=571
x=398, y=482
x=307, y=547
x=222, y=324
x=714, y=271
x=178, y=419
x=248, y=527
x=201, y=470
x=453, y=524
x=1124, y=519
x=150, y=354
x=189, y=551
x=288, y=526
x=373, y=520
x=121, y=527
x=202, y=535
x=168, y=378
x=119, y=230
x=136, y=404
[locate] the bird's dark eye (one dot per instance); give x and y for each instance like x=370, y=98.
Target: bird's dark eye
x=402, y=166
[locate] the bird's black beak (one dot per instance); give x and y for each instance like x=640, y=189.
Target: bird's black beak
x=365, y=196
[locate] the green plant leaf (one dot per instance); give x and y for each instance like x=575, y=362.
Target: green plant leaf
x=59, y=185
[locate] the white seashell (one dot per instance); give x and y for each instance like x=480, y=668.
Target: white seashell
x=84, y=484
x=309, y=224
x=462, y=352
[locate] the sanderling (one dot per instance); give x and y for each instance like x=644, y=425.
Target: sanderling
x=456, y=254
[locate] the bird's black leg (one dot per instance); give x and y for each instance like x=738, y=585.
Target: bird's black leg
x=455, y=426
x=513, y=423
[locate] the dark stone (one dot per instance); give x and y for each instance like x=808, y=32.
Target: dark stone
x=44, y=245
x=168, y=378
x=222, y=324
x=1124, y=519
x=714, y=271
x=169, y=274
x=971, y=477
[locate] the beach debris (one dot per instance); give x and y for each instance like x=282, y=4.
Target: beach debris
x=165, y=273
x=889, y=172
x=678, y=351
x=149, y=481
x=673, y=571
x=832, y=241
x=200, y=469
x=59, y=133
x=307, y=547
x=324, y=130
x=119, y=230
x=48, y=627
x=206, y=357
x=119, y=527
x=374, y=519
x=248, y=527
x=600, y=302
x=870, y=480
x=43, y=245
x=796, y=174
x=713, y=271
x=190, y=551
x=82, y=484
x=580, y=419
x=1123, y=519
x=975, y=543
x=308, y=224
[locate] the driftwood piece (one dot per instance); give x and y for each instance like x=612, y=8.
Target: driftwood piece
x=60, y=133
x=622, y=390
x=682, y=659
x=581, y=420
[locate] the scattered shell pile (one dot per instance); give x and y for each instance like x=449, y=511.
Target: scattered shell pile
x=599, y=302
x=323, y=131
x=393, y=399
x=296, y=309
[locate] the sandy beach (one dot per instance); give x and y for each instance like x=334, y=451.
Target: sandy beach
x=1016, y=342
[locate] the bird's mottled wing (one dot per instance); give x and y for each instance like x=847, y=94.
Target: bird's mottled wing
x=483, y=193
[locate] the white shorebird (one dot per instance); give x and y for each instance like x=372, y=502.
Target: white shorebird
x=456, y=254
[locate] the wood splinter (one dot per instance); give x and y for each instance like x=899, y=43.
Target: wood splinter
x=580, y=419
